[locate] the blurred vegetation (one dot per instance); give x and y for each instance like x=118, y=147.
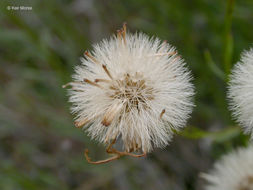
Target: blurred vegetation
x=40, y=147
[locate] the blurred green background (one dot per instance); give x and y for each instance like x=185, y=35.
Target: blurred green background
x=39, y=146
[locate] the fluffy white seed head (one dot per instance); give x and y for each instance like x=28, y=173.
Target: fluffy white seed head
x=233, y=172
x=134, y=88
x=240, y=91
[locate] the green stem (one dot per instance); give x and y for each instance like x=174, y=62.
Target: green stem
x=213, y=67
x=218, y=136
x=228, y=38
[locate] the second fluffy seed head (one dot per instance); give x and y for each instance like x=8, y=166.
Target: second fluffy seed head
x=240, y=92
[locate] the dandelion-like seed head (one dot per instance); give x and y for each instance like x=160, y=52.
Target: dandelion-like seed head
x=133, y=88
x=234, y=171
x=240, y=91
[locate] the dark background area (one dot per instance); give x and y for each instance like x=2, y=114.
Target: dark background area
x=39, y=146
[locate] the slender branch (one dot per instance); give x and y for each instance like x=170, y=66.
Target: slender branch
x=100, y=161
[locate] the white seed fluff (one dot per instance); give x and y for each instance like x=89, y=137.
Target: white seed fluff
x=133, y=88
x=240, y=91
x=233, y=172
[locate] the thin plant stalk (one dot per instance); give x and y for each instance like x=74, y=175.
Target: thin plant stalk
x=228, y=38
